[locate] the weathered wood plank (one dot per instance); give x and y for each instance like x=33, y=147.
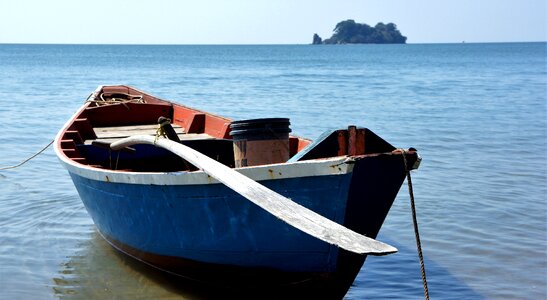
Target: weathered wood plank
x=182, y=137
x=130, y=128
x=125, y=131
x=283, y=208
x=121, y=134
x=342, y=142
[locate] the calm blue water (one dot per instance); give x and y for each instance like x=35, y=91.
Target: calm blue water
x=476, y=112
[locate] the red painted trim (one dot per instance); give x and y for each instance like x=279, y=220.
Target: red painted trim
x=128, y=114
x=342, y=142
x=196, y=121
x=217, y=127
x=356, y=141
x=303, y=143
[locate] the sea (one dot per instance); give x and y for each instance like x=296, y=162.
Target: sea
x=477, y=113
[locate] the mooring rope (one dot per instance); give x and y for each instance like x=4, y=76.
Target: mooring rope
x=26, y=160
x=415, y=221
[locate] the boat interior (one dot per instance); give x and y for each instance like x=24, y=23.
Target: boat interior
x=115, y=112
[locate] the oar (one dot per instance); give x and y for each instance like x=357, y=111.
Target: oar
x=283, y=208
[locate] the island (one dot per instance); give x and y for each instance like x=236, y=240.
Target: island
x=350, y=32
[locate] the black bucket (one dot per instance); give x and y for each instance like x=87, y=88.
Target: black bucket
x=260, y=141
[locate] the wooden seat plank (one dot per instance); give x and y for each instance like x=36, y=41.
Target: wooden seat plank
x=182, y=137
x=125, y=131
x=132, y=127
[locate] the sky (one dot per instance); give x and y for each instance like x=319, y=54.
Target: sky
x=264, y=21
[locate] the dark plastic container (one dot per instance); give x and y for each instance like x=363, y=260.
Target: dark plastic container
x=260, y=141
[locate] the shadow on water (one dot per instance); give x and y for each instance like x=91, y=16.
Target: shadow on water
x=398, y=276
x=98, y=271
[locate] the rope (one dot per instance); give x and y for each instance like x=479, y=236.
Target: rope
x=33, y=156
x=161, y=131
x=101, y=100
x=415, y=221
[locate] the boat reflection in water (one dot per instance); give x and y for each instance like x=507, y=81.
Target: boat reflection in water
x=97, y=271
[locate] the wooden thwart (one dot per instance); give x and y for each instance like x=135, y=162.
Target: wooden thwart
x=108, y=135
x=182, y=137
x=125, y=131
x=283, y=208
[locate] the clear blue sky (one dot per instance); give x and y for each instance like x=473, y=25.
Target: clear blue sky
x=264, y=21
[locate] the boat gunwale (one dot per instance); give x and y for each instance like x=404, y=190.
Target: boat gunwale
x=319, y=167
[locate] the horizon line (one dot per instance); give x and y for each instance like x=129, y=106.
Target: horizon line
x=258, y=44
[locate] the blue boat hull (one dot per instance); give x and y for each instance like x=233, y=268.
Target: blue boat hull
x=211, y=234
x=213, y=224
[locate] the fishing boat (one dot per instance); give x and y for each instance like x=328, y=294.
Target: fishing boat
x=240, y=204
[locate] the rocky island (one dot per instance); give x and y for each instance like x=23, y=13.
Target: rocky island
x=350, y=32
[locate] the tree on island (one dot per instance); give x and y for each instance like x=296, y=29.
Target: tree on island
x=350, y=32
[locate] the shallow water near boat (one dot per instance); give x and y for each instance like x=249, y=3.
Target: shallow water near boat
x=476, y=112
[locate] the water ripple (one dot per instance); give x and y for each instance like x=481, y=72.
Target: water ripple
x=476, y=112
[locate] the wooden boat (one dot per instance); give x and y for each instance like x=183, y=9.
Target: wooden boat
x=161, y=209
